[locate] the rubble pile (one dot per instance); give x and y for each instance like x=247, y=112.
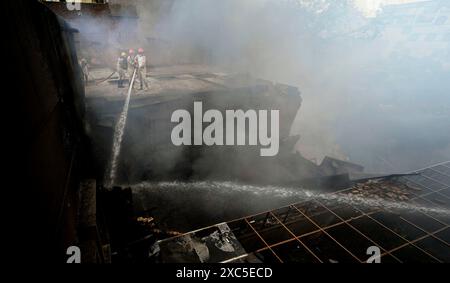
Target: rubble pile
x=389, y=189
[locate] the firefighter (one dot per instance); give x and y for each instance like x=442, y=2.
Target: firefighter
x=122, y=67
x=141, y=65
x=85, y=70
x=131, y=65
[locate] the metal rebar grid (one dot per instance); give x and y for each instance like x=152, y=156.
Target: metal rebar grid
x=319, y=230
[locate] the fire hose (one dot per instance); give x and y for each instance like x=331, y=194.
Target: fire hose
x=104, y=80
x=132, y=81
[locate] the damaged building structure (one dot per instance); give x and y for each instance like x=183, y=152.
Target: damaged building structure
x=327, y=229
x=124, y=224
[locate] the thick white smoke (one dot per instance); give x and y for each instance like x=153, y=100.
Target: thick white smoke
x=371, y=93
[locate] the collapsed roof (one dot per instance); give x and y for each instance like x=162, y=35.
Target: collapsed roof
x=407, y=217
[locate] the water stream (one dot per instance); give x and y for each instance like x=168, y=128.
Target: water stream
x=118, y=136
x=224, y=189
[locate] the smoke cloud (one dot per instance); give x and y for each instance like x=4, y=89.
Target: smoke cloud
x=371, y=93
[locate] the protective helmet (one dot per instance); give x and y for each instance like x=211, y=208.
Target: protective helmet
x=141, y=50
x=123, y=54
x=131, y=51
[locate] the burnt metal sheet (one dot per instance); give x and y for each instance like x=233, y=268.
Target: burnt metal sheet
x=213, y=244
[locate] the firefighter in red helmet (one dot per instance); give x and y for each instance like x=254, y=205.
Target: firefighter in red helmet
x=141, y=66
x=130, y=59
